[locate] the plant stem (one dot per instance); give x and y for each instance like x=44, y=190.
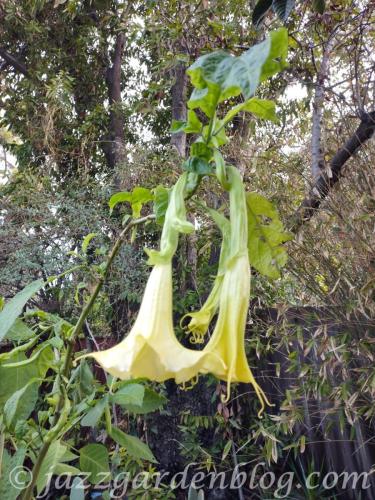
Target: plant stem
x=28, y=492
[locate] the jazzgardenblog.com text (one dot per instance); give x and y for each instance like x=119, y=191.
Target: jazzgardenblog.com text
x=279, y=486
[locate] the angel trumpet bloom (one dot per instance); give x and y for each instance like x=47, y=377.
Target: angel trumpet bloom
x=151, y=349
x=200, y=320
x=228, y=338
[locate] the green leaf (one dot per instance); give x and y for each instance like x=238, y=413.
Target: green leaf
x=130, y=394
x=260, y=11
x=152, y=401
x=54, y=455
x=119, y=198
x=199, y=166
x=177, y=126
x=86, y=241
x=66, y=470
x=93, y=416
x=20, y=405
x=137, y=198
x=14, y=307
x=8, y=491
x=42, y=360
x=14, y=378
x=20, y=331
x=283, y=8
x=85, y=378
x=218, y=76
x=194, y=125
x=266, y=236
x=201, y=150
x=261, y=108
x=133, y=445
x=140, y=196
x=161, y=198
x=94, y=461
x=227, y=448
x=206, y=99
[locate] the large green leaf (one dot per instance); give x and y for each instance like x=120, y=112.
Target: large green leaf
x=20, y=405
x=14, y=307
x=152, y=401
x=130, y=394
x=133, y=445
x=94, y=461
x=266, y=236
x=219, y=75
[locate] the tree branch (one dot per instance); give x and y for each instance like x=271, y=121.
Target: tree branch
x=179, y=106
x=317, y=157
x=332, y=175
x=14, y=62
x=114, y=151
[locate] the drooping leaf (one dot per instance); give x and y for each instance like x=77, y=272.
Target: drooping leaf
x=14, y=307
x=260, y=11
x=266, y=236
x=283, y=8
x=94, y=460
x=133, y=445
x=119, y=198
x=86, y=241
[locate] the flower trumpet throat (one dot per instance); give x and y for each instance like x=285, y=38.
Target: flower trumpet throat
x=151, y=349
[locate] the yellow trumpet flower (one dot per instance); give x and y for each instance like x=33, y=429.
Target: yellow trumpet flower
x=200, y=320
x=228, y=338
x=151, y=349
